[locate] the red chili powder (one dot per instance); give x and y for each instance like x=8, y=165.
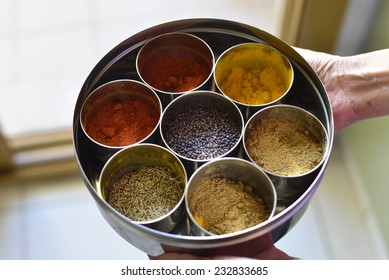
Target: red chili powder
x=123, y=122
x=176, y=73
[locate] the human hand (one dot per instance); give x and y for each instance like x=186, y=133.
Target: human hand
x=357, y=86
x=272, y=253
x=260, y=249
x=326, y=67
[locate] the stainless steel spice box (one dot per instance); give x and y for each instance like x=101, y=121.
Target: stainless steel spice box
x=293, y=193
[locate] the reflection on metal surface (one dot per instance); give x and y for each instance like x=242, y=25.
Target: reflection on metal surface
x=306, y=92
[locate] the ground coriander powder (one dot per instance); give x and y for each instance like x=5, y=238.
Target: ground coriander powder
x=283, y=147
x=222, y=205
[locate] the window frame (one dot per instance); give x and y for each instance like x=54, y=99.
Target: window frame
x=51, y=154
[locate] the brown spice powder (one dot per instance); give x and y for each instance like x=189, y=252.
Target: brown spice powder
x=223, y=206
x=283, y=147
x=176, y=73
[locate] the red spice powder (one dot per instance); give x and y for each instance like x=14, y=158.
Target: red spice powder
x=176, y=73
x=123, y=122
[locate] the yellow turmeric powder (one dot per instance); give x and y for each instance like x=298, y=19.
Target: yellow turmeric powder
x=253, y=87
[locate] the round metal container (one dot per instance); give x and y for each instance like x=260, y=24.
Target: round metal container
x=115, y=93
x=145, y=155
x=253, y=75
x=306, y=92
x=181, y=106
x=237, y=170
x=175, y=63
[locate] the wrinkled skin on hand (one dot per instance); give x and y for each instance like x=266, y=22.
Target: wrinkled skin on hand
x=357, y=86
x=326, y=66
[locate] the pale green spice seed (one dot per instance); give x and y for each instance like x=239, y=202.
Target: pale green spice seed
x=146, y=193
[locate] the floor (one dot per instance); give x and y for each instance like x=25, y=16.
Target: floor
x=47, y=48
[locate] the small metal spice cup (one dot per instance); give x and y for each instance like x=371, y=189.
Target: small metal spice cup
x=141, y=155
x=238, y=170
x=146, y=103
x=290, y=173
x=175, y=63
x=191, y=135
x=253, y=75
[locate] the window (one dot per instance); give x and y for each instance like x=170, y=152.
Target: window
x=47, y=53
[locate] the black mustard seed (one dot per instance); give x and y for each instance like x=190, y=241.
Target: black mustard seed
x=201, y=133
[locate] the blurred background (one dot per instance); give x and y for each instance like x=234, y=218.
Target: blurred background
x=48, y=48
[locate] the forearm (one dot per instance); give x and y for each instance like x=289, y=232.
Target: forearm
x=365, y=80
x=358, y=86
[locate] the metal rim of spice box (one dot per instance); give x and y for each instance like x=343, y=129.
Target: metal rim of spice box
x=306, y=92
